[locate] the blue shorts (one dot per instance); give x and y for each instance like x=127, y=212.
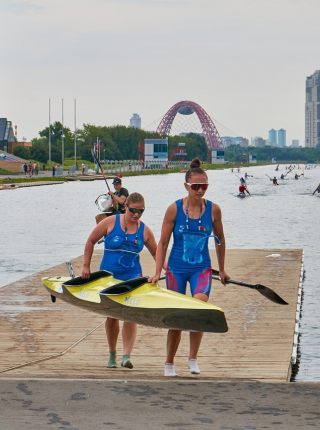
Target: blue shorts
x=200, y=282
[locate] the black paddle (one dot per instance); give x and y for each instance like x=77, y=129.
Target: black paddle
x=95, y=158
x=262, y=289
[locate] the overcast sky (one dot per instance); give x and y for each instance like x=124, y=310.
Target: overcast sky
x=244, y=61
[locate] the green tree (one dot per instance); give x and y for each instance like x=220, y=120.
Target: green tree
x=22, y=152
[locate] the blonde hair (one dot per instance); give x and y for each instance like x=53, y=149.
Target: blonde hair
x=135, y=198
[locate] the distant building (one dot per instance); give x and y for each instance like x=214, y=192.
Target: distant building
x=135, y=121
x=179, y=153
x=155, y=152
x=295, y=143
x=6, y=134
x=231, y=140
x=258, y=142
x=13, y=145
x=312, y=110
x=217, y=156
x=281, y=138
x=272, y=137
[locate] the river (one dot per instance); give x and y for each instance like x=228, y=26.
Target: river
x=46, y=225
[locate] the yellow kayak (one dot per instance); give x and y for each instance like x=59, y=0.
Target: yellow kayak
x=138, y=301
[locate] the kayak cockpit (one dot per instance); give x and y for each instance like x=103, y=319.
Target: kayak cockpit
x=125, y=287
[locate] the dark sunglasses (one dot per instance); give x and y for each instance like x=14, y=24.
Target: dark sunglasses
x=136, y=211
x=196, y=187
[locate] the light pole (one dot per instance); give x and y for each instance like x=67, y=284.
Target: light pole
x=49, y=134
x=62, y=136
x=75, y=132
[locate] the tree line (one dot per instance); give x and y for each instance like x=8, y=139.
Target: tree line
x=116, y=143
x=122, y=143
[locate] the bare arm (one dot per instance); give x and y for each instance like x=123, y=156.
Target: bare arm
x=97, y=233
x=150, y=241
x=117, y=199
x=220, y=249
x=166, y=231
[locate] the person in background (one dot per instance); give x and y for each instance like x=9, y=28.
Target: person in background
x=119, y=197
x=274, y=181
x=191, y=220
x=125, y=235
x=243, y=189
x=317, y=190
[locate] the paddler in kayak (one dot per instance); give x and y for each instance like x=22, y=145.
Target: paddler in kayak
x=125, y=235
x=119, y=197
x=191, y=220
x=317, y=190
x=243, y=190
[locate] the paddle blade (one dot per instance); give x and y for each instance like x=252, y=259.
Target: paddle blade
x=270, y=294
x=262, y=289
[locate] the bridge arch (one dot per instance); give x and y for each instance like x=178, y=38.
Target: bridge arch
x=186, y=107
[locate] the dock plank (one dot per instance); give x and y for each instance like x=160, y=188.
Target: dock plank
x=52, y=340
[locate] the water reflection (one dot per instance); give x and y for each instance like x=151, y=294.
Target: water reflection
x=44, y=226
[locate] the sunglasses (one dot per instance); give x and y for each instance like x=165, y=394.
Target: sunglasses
x=136, y=211
x=196, y=187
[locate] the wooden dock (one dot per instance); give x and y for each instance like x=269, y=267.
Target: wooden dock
x=40, y=339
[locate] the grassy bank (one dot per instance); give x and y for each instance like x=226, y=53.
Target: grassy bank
x=7, y=179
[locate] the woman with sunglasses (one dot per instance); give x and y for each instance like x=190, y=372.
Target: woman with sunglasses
x=191, y=220
x=125, y=235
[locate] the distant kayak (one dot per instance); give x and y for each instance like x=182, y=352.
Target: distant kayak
x=241, y=195
x=138, y=301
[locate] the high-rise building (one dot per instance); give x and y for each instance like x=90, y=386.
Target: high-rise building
x=281, y=138
x=135, y=121
x=312, y=110
x=272, y=137
x=295, y=143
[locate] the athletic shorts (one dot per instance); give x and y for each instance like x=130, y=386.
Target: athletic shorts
x=200, y=282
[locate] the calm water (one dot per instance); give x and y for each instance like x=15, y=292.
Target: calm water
x=44, y=226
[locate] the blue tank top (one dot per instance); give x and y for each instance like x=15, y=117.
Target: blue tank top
x=121, y=252
x=190, y=240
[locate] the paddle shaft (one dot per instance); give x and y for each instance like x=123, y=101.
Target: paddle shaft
x=100, y=167
x=242, y=284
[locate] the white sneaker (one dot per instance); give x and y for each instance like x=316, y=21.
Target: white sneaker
x=169, y=370
x=193, y=366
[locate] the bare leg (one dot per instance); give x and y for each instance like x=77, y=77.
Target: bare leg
x=196, y=337
x=112, y=331
x=129, y=334
x=195, y=341
x=173, y=341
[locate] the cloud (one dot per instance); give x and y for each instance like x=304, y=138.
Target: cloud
x=19, y=7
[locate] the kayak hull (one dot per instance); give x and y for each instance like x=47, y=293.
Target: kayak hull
x=137, y=301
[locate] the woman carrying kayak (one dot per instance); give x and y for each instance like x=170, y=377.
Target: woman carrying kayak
x=191, y=220
x=125, y=235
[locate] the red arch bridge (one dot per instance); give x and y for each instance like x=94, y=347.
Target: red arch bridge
x=187, y=107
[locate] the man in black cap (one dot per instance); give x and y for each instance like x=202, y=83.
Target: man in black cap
x=119, y=197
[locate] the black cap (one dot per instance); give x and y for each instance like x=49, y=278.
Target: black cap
x=116, y=180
